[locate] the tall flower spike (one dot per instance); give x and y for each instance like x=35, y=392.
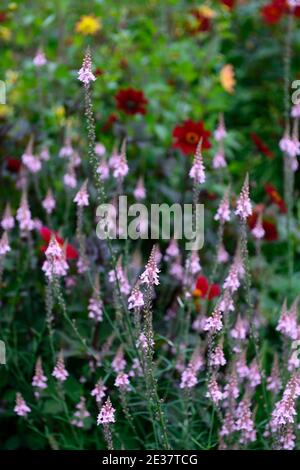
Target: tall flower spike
x=136, y=299
x=85, y=74
x=21, y=408
x=59, y=371
x=150, y=275
x=244, y=208
x=107, y=413
x=120, y=166
x=7, y=222
x=220, y=133
x=24, y=215
x=49, y=202
x=197, y=172
x=223, y=212
x=4, y=245
x=55, y=264
x=82, y=197
x=39, y=380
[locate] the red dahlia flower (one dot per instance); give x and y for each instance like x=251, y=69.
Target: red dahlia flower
x=273, y=11
x=46, y=234
x=204, y=290
x=131, y=101
x=187, y=136
x=261, y=146
x=275, y=197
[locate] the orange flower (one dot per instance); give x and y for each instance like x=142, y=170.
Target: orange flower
x=227, y=78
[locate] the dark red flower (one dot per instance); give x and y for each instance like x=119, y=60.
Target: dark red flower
x=275, y=197
x=261, y=146
x=273, y=11
x=98, y=72
x=46, y=233
x=269, y=226
x=228, y=3
x=3, y=16
x=187, y=136
x=13, y=164
x=202, y=22
x=112, y=118
x=131, y=101
x=204, y=290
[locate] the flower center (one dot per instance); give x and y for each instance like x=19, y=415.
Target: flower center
x=192, y=138
x=130, y=104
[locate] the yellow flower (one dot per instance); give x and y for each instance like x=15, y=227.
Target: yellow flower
x=88, y=25
x=5, y=110
x=12, y=6
x=5, y=33
x=206, y=11
x=227, y=78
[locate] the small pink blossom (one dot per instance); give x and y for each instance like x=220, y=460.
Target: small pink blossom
x=85, y=74
x=40, y=59
x=39, y=380
x=82, y=197
x=140, y=191
x=49, y=202
x=107, y=413
x=150, y=275
x=197, y=172
x=122, y=381
x=99, y=391
x=60, y=372
x=4, y=245
x=214, y=323
x=223, y=212
x=21, y=408
x=7, y=222
x=244, y=207
x=136, y=299
x=80, y=414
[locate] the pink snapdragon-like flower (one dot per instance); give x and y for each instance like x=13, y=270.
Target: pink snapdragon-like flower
x=4, y=245
x=241, y=366
x=55, y=264
x=213, y=391
x=273, y=381
x=240, y=329
x=66, y=150
x=39, y=380
x=136, y=299
x=231, y=389
x=100, y=149
x=70, y=178
x=39, y=59
x=150, y=275
x=232, y=282
x=219, y=160
x=287, y=324
x=223, y=212
x=103, y=170
x=7, y=222
x=118, y=276
x=254, y=376
x=21, y=408
x=24, y=215
x=197, y=172
x=118, y=163
x=226, y=304
x=80, y=414
x=32, y=163
x=49, y=202
x=217, y=357
x=60, y=372
x=220, y=133
x=222, y=254
x=85, y=74
x=285, y=412
x=193, y=265
x=213, y=324
x=95, y=309
x=188, y=377
x=107, y=413
x=173, y=250
x=244, y=207
x=289, y=145
x=258, y=231
x=244, y=422
x=119, y=363
x=44, y=154
x=122, y=381
x=140, y=191
x=82, y=197
x=99, y=391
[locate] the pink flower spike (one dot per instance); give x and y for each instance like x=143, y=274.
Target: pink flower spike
x=82, y=197
x=150, y=275
x=21, y=408
x=59, y=371
x=107, y=413
x=7, y=222
x=136, y=299
x=40, y=58
x=99, y=391
x=49, y=202
x=220, y=133
x=4, y=245
x=223, y=212
x=244, y=208
x=85, y=74
x=197, y=172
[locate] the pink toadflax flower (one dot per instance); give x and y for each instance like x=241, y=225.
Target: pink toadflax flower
x=119, y=363
x=287, y=324
x=49, y=202
x=99, y=391
x=140, y=191
x=244, y=208
x=214, y=323
x=24, y=215
x=213, y=391
x=188, y=377
x=85, y=74
x=220, y=133
x=55, y=264
x=21, y=408
x=60, y=372
x=82, y=197
x=244, y=422
x=223, y=212
x=39, y=59
x=80, y=414
x=136, y=299
x=217, y=357
x=39, y=380
x=150, y=275
x=7, y=222
x=4, y=245
x=197, y=172
x=107, y=413
x=122, y=381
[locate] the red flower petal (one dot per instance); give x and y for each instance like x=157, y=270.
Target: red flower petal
x=214, y=291
x=202, y=286
x=187, y=136
x=131, y=101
